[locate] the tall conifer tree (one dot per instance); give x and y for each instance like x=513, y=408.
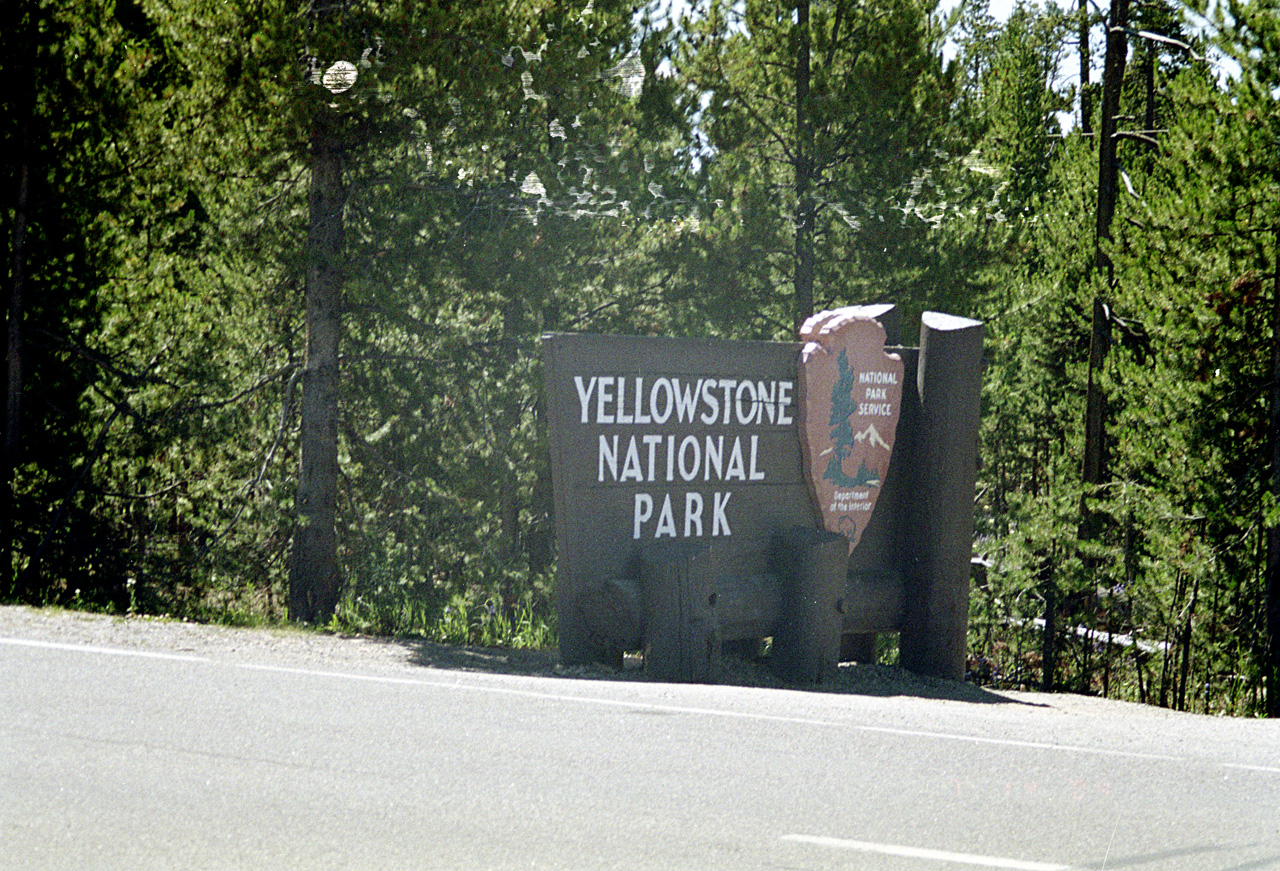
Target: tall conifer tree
x=821, y=118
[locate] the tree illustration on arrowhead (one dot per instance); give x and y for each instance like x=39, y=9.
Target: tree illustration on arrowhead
x=842, y=438
x=843, y=361
x=865, y=477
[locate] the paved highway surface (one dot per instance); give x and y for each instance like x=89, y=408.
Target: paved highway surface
x=145, y=753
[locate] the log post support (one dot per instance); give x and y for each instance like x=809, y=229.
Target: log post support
x=936, y=618
x=811, y=564
x=682, y=626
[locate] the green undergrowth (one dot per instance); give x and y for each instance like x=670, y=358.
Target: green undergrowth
x=475, y=617
x=472, y=618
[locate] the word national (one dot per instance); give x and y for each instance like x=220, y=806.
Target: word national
x=656, y=457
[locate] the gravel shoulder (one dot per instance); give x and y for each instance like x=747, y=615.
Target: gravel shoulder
x=312, y=649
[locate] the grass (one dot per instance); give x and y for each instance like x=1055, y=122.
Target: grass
x=523, y=620
x=473, y=618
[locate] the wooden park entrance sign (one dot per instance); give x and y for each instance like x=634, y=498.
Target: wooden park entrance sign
x=711, y=491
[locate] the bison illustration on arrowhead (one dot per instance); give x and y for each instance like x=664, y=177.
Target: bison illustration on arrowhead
x=850, y=399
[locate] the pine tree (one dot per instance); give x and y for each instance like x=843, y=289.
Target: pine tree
x=79, y=74
x=425, y=132
x=818, y=122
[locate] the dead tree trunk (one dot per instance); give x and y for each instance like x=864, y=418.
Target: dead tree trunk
x=1086, y=89
x=314, y=579
x=1108, y=168
x=804, y=267
x=1094, y=470
x=1271, y=670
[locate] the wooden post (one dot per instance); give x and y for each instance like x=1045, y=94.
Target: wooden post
x=682, y=629
x=949, y=382
x=811, y=564
x=860, y=647
x=610, y=614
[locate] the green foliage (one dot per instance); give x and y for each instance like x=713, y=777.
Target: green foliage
x=816, y=139
x=471, y=618
x=67, y=133
x=1167, y=555
x=514, y=170
x=199, y=342
x=1021, y=98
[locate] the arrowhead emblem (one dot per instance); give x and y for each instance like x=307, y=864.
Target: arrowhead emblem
x=849, y=403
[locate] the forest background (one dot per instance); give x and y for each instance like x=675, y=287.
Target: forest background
x=277, y=274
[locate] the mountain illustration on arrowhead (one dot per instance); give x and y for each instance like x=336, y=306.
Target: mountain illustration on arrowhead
x=872, y=436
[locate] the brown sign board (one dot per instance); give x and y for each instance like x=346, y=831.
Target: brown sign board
x=670, y=439
x=679, y=462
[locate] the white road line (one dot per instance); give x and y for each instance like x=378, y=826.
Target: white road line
x=544, y=696
x=457, y=684
x=105, y=651
x=922, y=853
x=1030, y=745
x=1267, y=769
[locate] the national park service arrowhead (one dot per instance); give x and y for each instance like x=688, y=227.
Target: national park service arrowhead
x=850, y=399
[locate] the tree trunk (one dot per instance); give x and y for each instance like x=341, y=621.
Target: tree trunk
x=313, y=572
x=1149, y=82
x=14, y=356
x=1108, y=168
x=1086, y=93
x=1049, y=648
x=22, y=82
x=1094, y=471
x=1271, y=669
x=1184, y=672
x=804, y=267
x=509, y=486
x=1094, y=467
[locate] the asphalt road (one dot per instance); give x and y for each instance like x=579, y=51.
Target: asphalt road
x=238, y=755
